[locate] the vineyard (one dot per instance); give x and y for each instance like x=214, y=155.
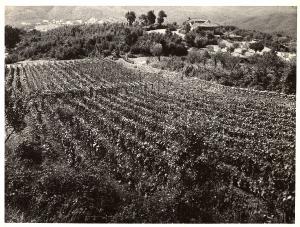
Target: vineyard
x=183, y=149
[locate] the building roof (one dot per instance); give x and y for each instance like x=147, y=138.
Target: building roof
x=198, y=22
x=197, y=19
x=207, y=25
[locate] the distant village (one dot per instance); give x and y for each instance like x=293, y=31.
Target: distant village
x=46, y=25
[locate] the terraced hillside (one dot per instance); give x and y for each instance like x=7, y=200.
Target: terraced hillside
x=183, y=150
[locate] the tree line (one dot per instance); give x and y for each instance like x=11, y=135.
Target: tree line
x=79, y=41
x=146, y=19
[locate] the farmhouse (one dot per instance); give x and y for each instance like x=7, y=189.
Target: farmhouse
x=234, y=37
x=202, y=23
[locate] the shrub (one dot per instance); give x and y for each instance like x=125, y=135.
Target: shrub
x=168, y=32
x=172, y=63
x=157, y=50
x=198, y=56
x=194, y=57
x=67, y=53
x=187, y=27
x=176, y=49
x=222, y=44
x=30, y=152
x=12, y=36
x=200, y=42
x=68, y=195
x=290, y=79
x=258, y=46
x=106, y=53
x=172, y=27
x=11, y=58
x=190, y=38
x=231, y=49
x=130, y=37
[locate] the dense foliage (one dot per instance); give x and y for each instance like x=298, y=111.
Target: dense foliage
x=201, y=38
x=105, y=143
x=12, y=36
x=260, y=72
x=73, y=42
x=130, y=16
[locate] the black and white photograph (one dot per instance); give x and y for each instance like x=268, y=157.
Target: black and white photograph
x=135, y=114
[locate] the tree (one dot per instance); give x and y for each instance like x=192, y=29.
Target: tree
x=236, y=45
x=219, y=56
x=189, y=38
x=151, y=17
x=290, y=76
x=194, y=57
x=161, y=16
x=258, y=46
x=222, y=44
x=144, y=19
x=168, y=32
x=231, y=49
x=187, y=27
x=200, y=42
x=130, y=37
x=198, y=56
x=12, y=36
x=156, y=50
x=130, y=16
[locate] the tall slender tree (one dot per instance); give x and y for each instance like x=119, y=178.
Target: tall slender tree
x=130, y=17
x=144, y=19
x=12, y=36
x=161, y=16
x=151, y=17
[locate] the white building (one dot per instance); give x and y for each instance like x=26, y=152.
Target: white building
x=202, y=23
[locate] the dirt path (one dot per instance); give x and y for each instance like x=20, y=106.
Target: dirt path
x=140, y=64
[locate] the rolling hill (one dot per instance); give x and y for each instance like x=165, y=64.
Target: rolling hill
x=267, y=19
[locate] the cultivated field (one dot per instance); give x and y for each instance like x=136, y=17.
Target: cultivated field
x=190, y=144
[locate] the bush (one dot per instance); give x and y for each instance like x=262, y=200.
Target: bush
x=67, y=53
x=106, y=53
x=197, y=56
x=67, y=195
x=194, y=57
x=157, y=50
x=172, y=63
x=172, y=27
x=190, y=38
x=222, y=44
x=176, y=49
x=30, y=152
x=258, y=46
x=200, y=42
x=236, y=45
x=187, y=27
x=11, y=58
x=12, y=36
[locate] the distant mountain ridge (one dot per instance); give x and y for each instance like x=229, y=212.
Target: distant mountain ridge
x=266, y=19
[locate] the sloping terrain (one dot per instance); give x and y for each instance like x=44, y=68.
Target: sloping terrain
x=265, y=19
x=170, y=143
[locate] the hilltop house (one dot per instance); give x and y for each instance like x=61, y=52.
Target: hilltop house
x=234, y=37
x=202, y=23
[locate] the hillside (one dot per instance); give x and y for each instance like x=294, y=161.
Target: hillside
x=105, y=142
x=266, y=19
